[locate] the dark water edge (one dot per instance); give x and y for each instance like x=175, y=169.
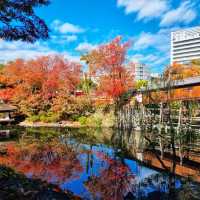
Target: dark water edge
x=17, y=186
x=110, y=164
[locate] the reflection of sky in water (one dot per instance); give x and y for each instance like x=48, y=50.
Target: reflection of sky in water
x=140, y=171
x=93, y=165
x=146, y=179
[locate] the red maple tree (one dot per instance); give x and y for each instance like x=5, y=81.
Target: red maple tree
x=107, y=65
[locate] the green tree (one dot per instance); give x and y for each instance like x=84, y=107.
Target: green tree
x=18, y=20
x=87, y=84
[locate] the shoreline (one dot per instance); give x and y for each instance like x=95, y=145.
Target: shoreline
x=63, y=124
x=69, y=124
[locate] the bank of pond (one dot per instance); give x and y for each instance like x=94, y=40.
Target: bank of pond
x=108, y=164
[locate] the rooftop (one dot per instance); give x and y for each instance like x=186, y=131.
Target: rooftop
x=7, y=108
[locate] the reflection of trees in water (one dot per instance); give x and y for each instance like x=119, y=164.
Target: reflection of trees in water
x=160, y=183
x=53, y=158
x=178, y=147
x=183, y=145
x=130, y=141
x=114, y=182
x=87, y=136
x=16, y=186
x=189, y=191
x=49, y=161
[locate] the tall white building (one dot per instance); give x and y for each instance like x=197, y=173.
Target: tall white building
x=185, y=45
x=141, y=72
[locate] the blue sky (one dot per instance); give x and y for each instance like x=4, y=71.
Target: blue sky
x=78, y=26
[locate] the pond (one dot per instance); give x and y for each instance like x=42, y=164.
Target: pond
x=105, y=164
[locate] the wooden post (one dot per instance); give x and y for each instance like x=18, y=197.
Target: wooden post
x=179, y=132
x=160, y=131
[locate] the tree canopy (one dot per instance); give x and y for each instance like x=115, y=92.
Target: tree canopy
x=44, y=84
x=107, y=64
x=18, y=20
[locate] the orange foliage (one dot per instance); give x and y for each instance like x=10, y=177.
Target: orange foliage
x=172, y=73
x=6, y=94
x=35, y=83
x=190, y=93
x=34, y=160
x=180, y=71
x=106, y=63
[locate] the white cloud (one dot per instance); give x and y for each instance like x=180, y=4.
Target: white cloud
x=66, y=27
x=13, y=50
x=185, y=14
x=142, y=58
x=144, y=41
x=85, y=47
x=56, y=23
x=71, y=38
x=70, y=28
x=159, y=40
x=71, y=57
x=155, y=62
x=19, y=45
x=144, y=8
x=63, y=39
x=161, y=60
x=153, y=49
x=137, y=58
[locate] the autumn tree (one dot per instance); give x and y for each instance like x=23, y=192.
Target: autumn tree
x=19, y=21
x=36, y=85
x=196, y=62
x=107, y=67
x=178, y=71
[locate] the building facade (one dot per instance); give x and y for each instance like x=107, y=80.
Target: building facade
x=141, y=72
x=185, y=45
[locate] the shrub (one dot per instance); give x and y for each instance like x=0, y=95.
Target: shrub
x=34, y=118
x=97, y=122
x=108, y=119
x=49, y=117
x=98, y=119
x=90, y=121
x=95, y=119
x=82, y=120
x=44, y=117
x=75, y=117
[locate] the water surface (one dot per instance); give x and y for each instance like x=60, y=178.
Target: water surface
x=107, y=164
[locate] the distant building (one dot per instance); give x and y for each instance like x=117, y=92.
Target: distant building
x=2, y=61
x=155, y=75
x=141, y=72
x=185, y=45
